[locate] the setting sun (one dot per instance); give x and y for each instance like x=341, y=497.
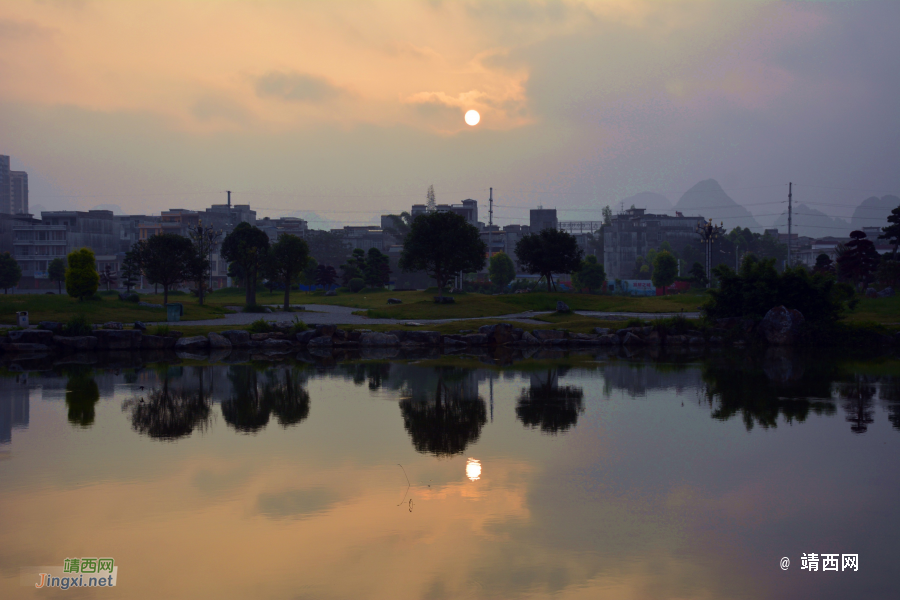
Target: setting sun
x=472, y=117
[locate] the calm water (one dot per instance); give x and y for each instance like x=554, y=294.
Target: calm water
x=604, y=478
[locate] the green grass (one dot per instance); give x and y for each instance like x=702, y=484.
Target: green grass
x=42, y=307
x=885, y=311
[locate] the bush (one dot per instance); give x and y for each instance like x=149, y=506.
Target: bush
x=635, y=322
x=677, y=324
x=260, y=326
x=133, y=298
x=758, y=287
x=298, y=326
x=78, y=325
x=161, y=330
x=356, y=284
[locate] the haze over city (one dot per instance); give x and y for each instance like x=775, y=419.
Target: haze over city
x=349, y=110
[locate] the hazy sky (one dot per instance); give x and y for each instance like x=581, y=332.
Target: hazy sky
x=349, y=109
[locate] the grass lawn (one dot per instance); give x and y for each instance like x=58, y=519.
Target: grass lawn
x=877, y=310
x=44, y=307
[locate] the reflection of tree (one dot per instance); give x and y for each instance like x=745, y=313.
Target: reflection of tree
x=286, y=397
x=548, y=406
x=168, y=415
x=890, y=393
x=82, y=394
x=253, y=401
x=741, y=387
x=376, y=373
x=447, y=422
x=858, y=398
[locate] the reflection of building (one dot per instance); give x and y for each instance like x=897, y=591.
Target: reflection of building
x=14, y=408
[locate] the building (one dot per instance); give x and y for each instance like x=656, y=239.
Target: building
x=363, y=237
x=467, y=209
x=543, y=218
x=633, y=233
x=18, y=181
x=5, y=186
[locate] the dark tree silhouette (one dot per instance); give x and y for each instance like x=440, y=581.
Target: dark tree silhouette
x=165, y=414
x=891, y=233
x=247, y=246
x=859, y=403
x=447, y=422
x=253, y=401
x=82, y=395
x=167, y=259
x=546, y=405
x=860, y=259
x=287, y=259
x=286, y=396
x=548, y=252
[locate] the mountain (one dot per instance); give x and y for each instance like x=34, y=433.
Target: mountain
x=813, y=223
x=709, y=200
x=653, y=202
x=874, y=211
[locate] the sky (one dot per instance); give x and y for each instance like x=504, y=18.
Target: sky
x=351, y=109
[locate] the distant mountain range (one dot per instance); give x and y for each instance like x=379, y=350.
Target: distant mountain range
x=874, y=211
x=810, y=222
x=709, y=200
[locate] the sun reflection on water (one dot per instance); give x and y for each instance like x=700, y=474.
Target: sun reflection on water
x=473, y=469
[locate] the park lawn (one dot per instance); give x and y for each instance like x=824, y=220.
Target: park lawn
x=885, y=311
x=45, y=307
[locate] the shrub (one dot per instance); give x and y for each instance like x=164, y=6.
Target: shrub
x=78, y=325
x=260, y=326
x=635, y=322
x=161, y=330
x=133, y=298
x=677, y=324
x=356, y=284
x=298, y=326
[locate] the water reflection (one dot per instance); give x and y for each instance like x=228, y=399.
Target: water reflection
x=858, y=395
x=253, y=397
x=546, y=405
x=14, y=406
x=168, y=414
x=445, y=419
x=82, y=394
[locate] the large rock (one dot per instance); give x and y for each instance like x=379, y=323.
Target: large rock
x=886, y=292
x=112, y=325
x=476, y=339
x=31, y=336
x=53, y=326
x=193, y=343
x=562, y=307
x=499, y=334
x=450, y=341
x=444, y=300
x=422, y=338
x=158, y=342
x=238, y=337
x=631, y=339
x=781, y=326
x=78, y=343
x=22, y=348
x=325, y=330
x=272, y=345
x=529, y=340
x=394, y=301
x=377, y=339
x=118, y=339
x=304, y=337
x=609, y=339
x=601, y=330
x=584, y=339
x=320, y=342
x=543, y=335
x=218, y=341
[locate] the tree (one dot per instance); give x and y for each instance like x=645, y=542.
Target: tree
x=247, y=246
x=502, y=270
x=168, y=259
x=665, y=269
x=548, y=252
x=354, y=267
x=326, y=247
x=108, y=277
x=607, y=215
x=860, y=259
x=698, y=274
x=308, y=276
x=131, y=269
x=82, y=278
x=56, y=271
x=590, y=275
x=888, y=273
x=892, y=231
x=287, y=259
x=10, y=272
x=377, y=271
x=400, y=225
x=824, y=264
x=325, y=275
x=442, y=244
x=430, y=201
x=204, y=238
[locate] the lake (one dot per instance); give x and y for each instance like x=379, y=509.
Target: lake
x=564, y=476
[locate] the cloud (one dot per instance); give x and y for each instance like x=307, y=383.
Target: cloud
x=11, y=29
x=295, y=504
x=297, y=87
x=210, y=107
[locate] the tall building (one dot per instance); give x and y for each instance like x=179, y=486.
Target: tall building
x=542, y=218
x=5, y=186
x=18, y=181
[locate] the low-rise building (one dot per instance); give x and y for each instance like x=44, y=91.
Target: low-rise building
x=634, y=233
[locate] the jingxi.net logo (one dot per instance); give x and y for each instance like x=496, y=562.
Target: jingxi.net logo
x=75, y=572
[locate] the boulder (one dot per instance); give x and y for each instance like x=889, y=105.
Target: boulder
x=696, y=341
x=158, y=342
x=886, y=292
x=53, y=326
x=340, y=335
x=449, y=341
x=562, y=307
x=218, y=341
x=543, y=335
x=78, y=343
x=871, y=293
x=609, y=339
x=192, y=343
x=118, y=339
x=304, y=337
x=112, y=325
x=499, y=334
x=601, y=330
x=331, y=293
x=528, y=339
x=139, y=325
x=631, y=339
x=444, y=300
x=476, y=339
x=517, y=333
x=715, y=340
x=376, y=339
x=781, y=326
x=273, y=345
x=422, y=338
x=325, y=330
x=395, y=301
x=583, y=338
x=676, y=340
x=653, y=338
x=31, y=336
x=260, y=337
x=238, y=337
x=319, y=342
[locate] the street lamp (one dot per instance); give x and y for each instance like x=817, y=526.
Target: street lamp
x=709, y=232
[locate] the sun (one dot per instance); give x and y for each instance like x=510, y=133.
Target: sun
x=472, y=118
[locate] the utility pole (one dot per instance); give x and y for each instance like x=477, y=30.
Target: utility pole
x=790, y=216
x=491, y=228
x=229, y=198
